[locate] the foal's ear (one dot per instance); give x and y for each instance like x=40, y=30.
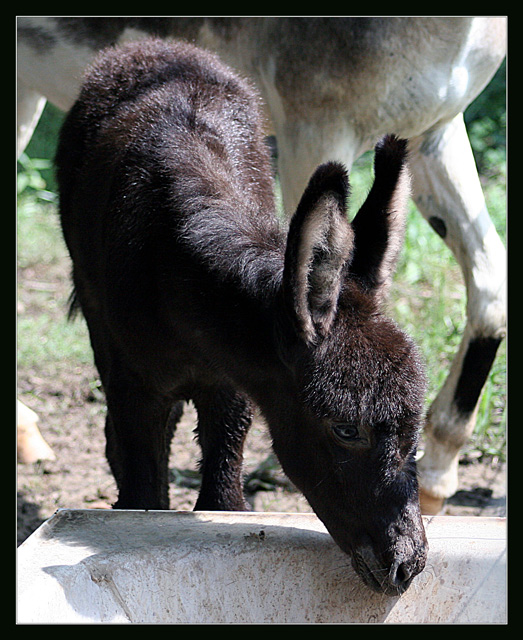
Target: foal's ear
x=319, y=244
x=379, y=224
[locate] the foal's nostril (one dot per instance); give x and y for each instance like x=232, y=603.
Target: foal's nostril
x=400, y=574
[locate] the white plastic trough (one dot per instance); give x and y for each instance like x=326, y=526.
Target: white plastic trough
x=97, y=566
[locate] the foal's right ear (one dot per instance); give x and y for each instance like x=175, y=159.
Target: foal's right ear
x=379, y=224
x=319, y=245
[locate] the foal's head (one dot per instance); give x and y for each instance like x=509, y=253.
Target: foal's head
x=351, y=448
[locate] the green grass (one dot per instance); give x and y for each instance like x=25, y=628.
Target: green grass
x=44, y=335
x=428, y=300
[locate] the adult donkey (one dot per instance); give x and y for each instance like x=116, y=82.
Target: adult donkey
x=332, y=86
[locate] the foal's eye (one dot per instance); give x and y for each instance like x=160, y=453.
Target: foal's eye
x=346, y=433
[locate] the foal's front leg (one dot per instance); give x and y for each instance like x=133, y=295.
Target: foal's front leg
x=448, y=193
x=224, y=418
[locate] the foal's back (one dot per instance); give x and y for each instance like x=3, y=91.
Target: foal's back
x=164, y=138
x=175, y=107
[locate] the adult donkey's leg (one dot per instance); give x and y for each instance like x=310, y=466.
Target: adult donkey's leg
x=303, y=145
x=447, y=191
x=30, y=105
x=31, y=445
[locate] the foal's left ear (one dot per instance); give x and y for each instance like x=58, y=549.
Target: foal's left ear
x=319, y=244
x=379, y=224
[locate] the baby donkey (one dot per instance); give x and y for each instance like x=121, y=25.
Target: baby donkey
x=193, y=290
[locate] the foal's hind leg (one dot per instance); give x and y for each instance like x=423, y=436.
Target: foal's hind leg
x=139, y=425
x=224, y=418
x=138, y=443
x=139, y=428
x=447, y=191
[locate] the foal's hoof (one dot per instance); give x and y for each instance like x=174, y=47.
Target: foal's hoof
x=429, y=505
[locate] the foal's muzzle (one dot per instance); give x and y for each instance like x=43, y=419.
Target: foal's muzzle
x=393, y=575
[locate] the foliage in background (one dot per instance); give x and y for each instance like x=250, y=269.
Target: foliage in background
x=428, y=299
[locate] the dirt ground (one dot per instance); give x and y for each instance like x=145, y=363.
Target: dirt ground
x=72, y=417
x=71, y=409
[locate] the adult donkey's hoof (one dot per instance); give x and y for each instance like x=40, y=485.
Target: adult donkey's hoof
x=430, y=505
x=31, y=445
